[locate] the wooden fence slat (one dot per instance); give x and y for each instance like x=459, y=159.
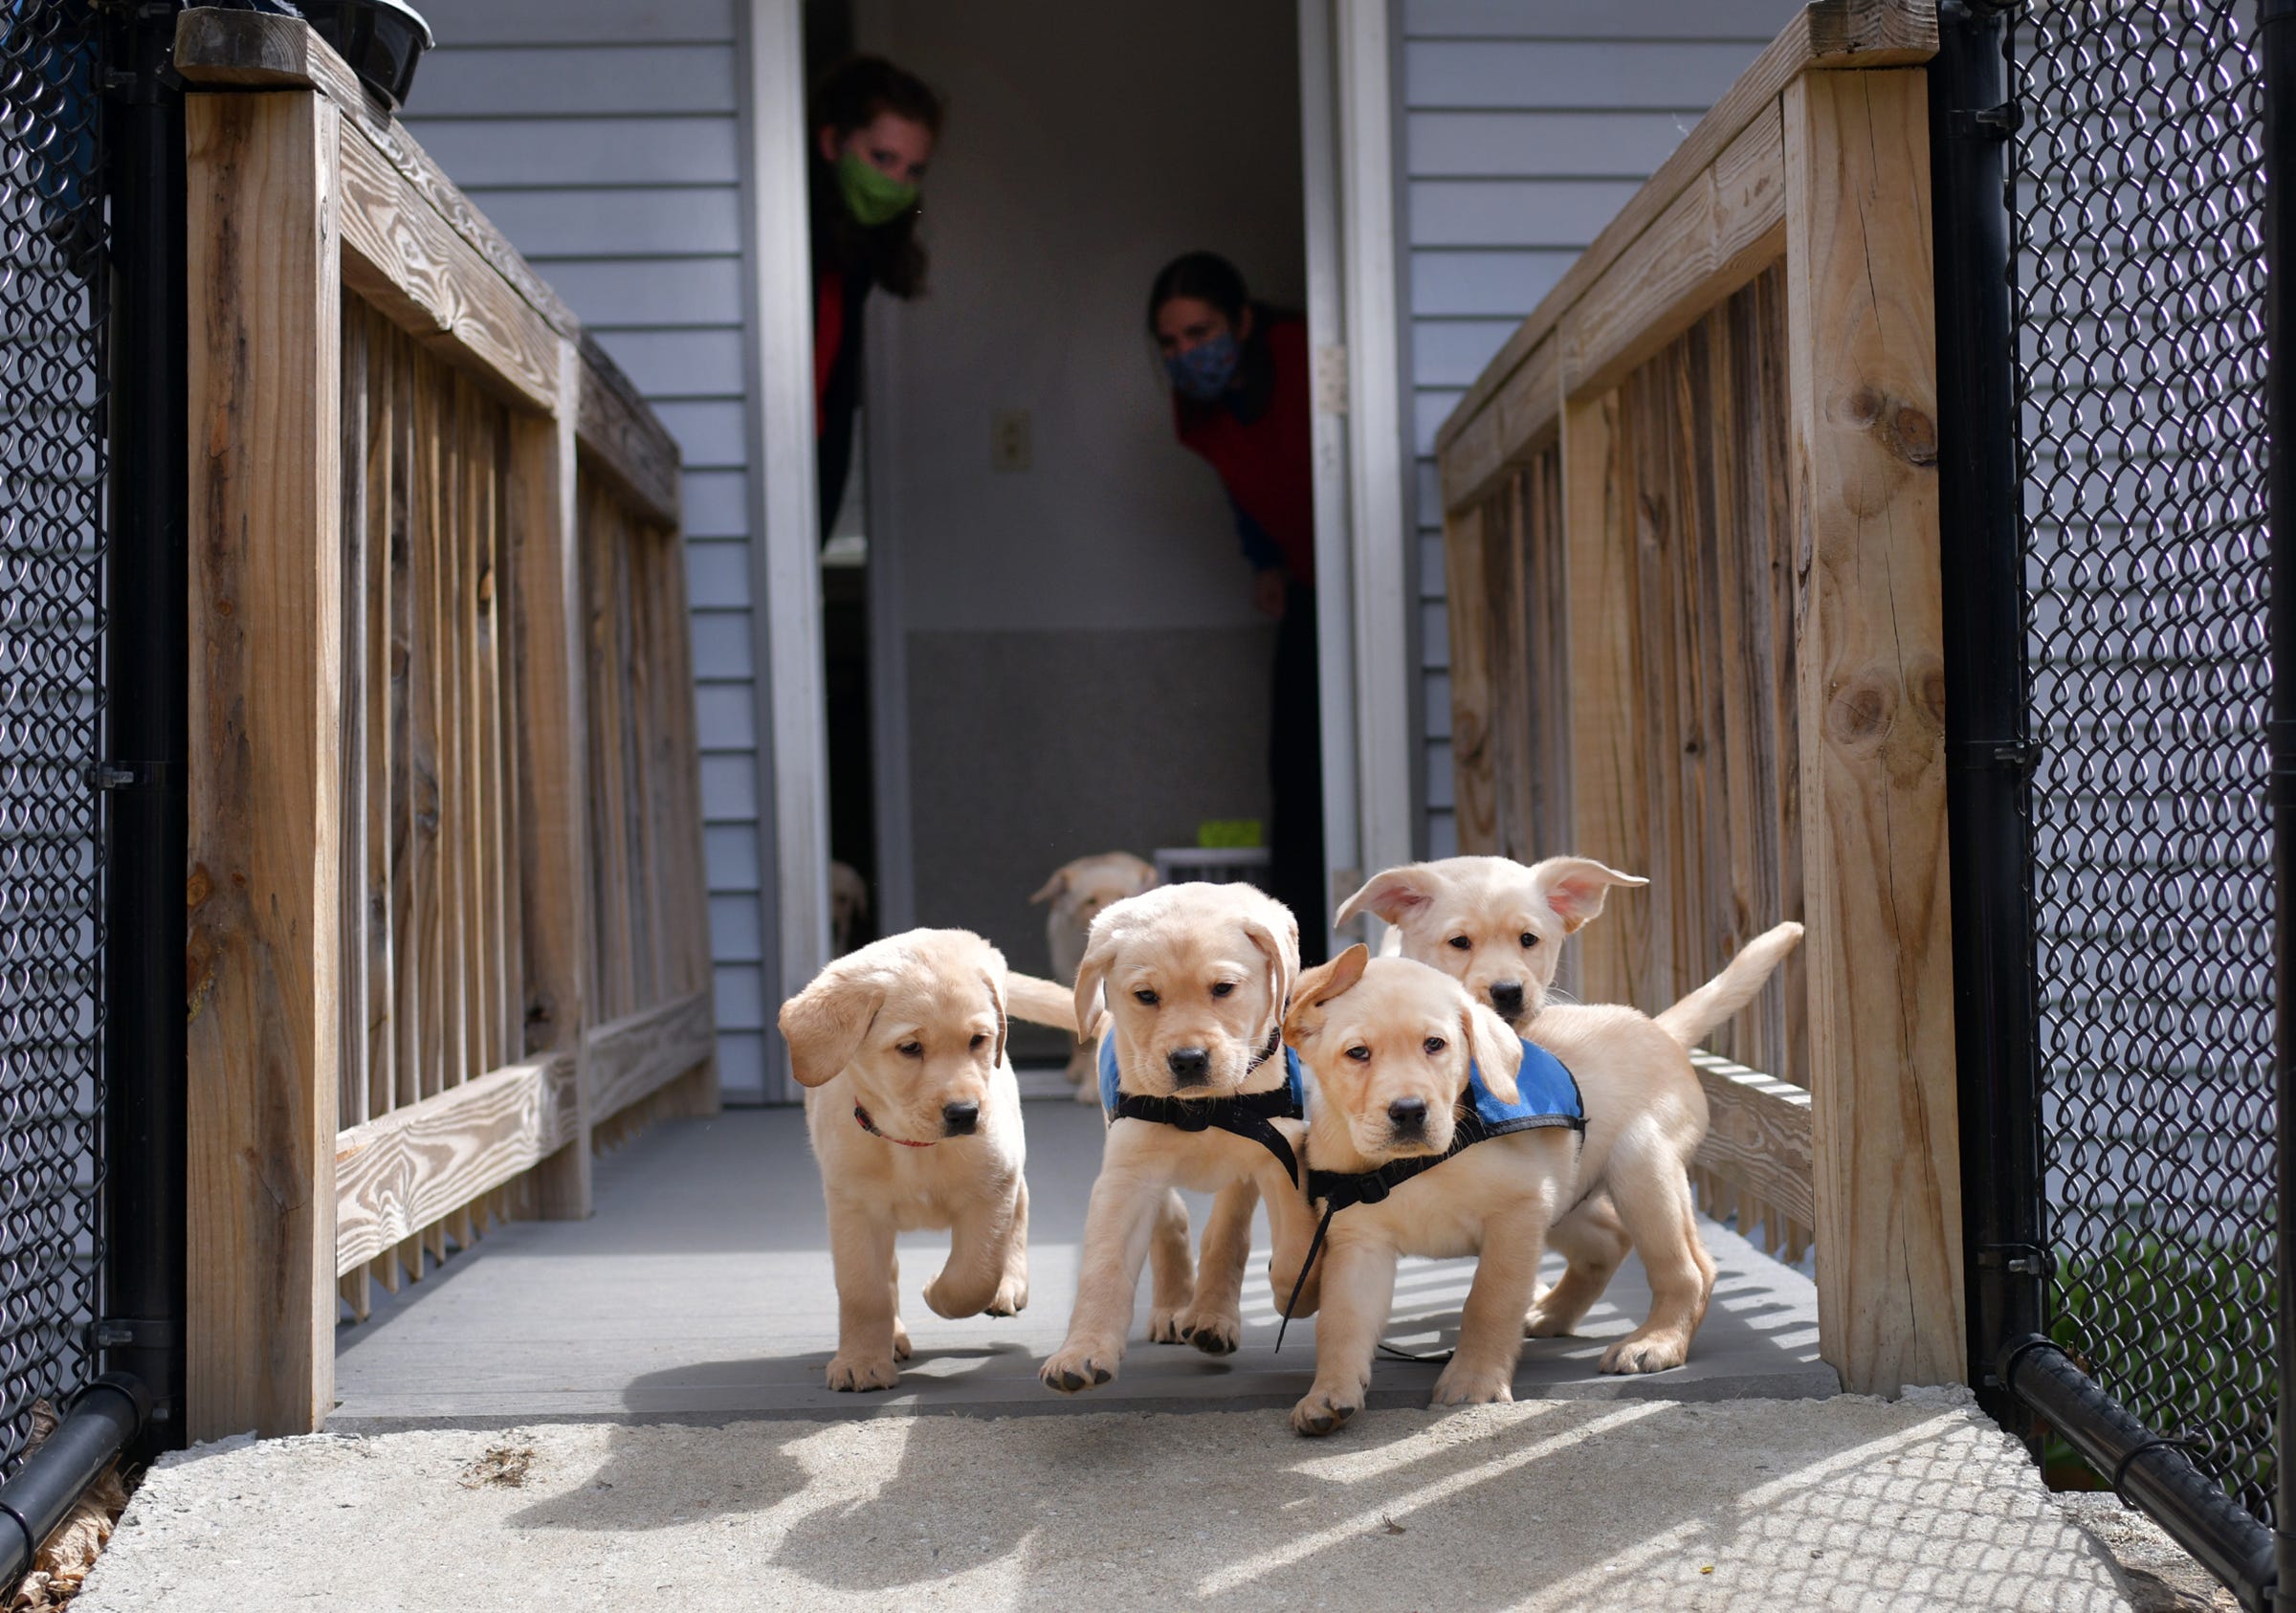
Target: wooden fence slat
x=550, y=654
x=1608, y=800
x=1862, y=349
x=1475, y=811
x=353, y=1075
x=1758, y=1139
x=264, y=948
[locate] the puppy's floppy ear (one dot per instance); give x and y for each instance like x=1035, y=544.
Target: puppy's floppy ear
x=1282, y=962
x=1497, y=1052
x=1575, y=887
x=1051, y=888
x=1318, y=985
x=1090, y=973
x=994, y=980
x=825, y=1023
x=1391, y=896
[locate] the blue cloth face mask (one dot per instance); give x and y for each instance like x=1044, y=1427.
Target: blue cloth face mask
x=1203, y=371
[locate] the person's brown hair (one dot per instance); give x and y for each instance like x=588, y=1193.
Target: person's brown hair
x=849, y=96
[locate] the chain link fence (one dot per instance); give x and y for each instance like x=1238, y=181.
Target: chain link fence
x=52, y=386
x=2137, y=202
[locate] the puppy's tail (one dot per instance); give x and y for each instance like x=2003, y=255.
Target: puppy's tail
x=1040, y=1001
x=1694, y=1018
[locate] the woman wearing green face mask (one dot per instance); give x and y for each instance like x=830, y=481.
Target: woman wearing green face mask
x=875, y=128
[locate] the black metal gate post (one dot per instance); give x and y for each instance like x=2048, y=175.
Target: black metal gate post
x=1988, y=743
x=2277, y=50
x=149, y=732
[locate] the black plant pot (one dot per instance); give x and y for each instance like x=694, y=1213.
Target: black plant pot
x=382, y=40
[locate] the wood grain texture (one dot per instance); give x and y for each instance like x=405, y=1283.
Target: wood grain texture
x=399, y=255
x=1609, y=792
x=626, y=441
x=551, y=738
x=1861, y=411
x=256, y=51
x=416, y=1166
x=1757, y=1137
x=265, y=791
x=1828, y=34
x=1713, y=238
x=1475, y=808
x=630, y=1058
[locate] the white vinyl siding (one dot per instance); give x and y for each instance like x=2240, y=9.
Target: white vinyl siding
x=603, y=137
x=1527, y=125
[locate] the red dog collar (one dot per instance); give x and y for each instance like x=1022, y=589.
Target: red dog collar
x=869, y=1126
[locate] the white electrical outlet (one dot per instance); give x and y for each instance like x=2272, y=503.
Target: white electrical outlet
x=1009, y=440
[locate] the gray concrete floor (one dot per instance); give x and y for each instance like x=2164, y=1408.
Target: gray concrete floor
x=702, y=1290
x=1562, y=1505
x=629, y=1411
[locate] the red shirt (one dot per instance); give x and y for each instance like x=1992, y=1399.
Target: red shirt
x=1267, y=463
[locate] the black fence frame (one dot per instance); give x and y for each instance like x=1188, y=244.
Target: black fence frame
x=130, y=1405
x=2023, y=1377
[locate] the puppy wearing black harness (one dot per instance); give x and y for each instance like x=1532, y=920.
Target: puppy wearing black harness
x=1200, y=1094
x=1421, y=1142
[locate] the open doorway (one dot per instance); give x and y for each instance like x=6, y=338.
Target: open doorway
x=1061, y=644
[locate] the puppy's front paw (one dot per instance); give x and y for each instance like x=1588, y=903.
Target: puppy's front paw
x=1078, y=1367
x=860, y=1372
x=1209, y=1331
x=1012, y=1297
x=1659, y=1352
x=1322, y=1411
x=1473, y=1386
x=900, y=1341
x=1543, y=1323
x=1163, y=1326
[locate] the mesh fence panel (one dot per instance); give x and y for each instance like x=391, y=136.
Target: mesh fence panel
x=2137, y=208
x=52, y=463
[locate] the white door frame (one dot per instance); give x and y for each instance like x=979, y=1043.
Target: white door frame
x=1363, y=521
x=787, y=503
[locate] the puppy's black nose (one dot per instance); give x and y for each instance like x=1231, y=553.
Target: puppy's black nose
x=1407, y=1114
x=1508, y=997
x=1189, y=1066
x=961, y=1118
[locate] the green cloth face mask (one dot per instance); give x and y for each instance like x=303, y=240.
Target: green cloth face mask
x=872, y=195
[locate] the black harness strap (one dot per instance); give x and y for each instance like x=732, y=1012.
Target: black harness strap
x=1244, y=1115
x=1339, y=1189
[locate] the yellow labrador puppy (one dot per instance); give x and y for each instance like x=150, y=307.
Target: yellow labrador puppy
x=1396, y=1095
x=1078, y=890
x=1201, y=1094
x=1421, y=1142
x=1497, y=926
x=916, y=1118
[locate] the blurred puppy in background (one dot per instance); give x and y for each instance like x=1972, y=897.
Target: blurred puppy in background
x=1078, y=891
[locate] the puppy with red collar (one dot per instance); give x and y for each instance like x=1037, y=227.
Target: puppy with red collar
x=916, y=1118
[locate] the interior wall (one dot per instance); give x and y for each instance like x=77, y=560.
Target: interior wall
x=1085, y=669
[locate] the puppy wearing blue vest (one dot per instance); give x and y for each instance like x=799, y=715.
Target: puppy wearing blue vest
x=1497, y=926
x=1200, y=1094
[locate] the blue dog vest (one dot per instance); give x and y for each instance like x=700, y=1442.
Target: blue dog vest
x=1245, y=1115
x=1547, y=1096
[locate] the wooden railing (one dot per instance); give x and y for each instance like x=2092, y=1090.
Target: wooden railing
x=448, y=921
x=1692, y=539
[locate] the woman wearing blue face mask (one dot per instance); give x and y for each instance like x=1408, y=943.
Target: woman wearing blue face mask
x=1240, y=398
